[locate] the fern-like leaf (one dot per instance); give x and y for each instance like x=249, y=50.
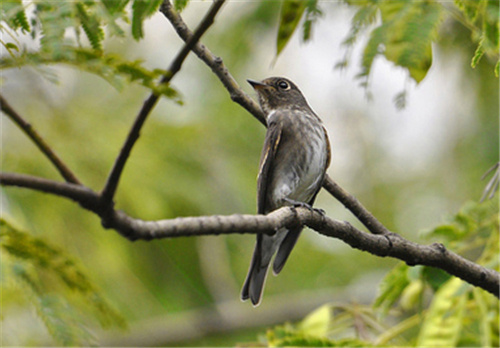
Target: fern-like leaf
x=180, y=5
x=482, y=17
x=56, y=285
x=313, y=13
x=12, y=12
x=91, y=25
x=113, y=68
x=443, y=321
x=55, y=18
x=115, y=6
x=392, y=287
x=405, y=36
x=142, y=9
x=291, y=12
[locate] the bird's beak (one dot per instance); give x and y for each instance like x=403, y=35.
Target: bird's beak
x=256, y=84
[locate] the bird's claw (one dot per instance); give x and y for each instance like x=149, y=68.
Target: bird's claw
x=297, y=204
x=319, y=211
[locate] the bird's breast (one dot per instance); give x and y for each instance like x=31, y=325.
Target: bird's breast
x=300, y=162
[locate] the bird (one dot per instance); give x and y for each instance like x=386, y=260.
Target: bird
x=293, y=164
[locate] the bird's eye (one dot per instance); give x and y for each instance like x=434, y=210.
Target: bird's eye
x=283, y=84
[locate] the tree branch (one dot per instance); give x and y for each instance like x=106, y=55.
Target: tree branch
x=78, y=193
x=387, y=245
x=26, y=127
x=239, y=96
x=112, y=182
x=355, y=206
x=213, y=62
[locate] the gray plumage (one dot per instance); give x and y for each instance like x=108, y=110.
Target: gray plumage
x=293, y=164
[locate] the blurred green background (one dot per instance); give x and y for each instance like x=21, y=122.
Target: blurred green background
x=410, y=167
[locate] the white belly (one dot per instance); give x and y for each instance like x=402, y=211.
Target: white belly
x=300, y=183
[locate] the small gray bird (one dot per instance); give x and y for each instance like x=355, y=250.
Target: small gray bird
x=293, y=164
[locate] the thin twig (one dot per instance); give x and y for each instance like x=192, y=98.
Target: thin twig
x=492, y=185
x=213, y=62
x=114, y=177
x=388, y=245
x=239, y=96
x=28, y=129
x=355, y=206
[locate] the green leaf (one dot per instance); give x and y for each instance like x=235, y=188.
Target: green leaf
x=482, y=17
x=392, y=286
x=472, y=221
x=11, y=46
x=12, y=12
x=180, y=5
x=411, y=295
x=485, y=324
x=56, y=285
x=313, y=12
x=141, y=10
x=291, y=12
x=91, y=25
x=317, y=323
x=443, y=320
x=55, y=18
x=435, y=277
x=115, y=6
x=364, y=17
x=62, y=322
x=405, y=36
x=113, y=68
x=287, y=336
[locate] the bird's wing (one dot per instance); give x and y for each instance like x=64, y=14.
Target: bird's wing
x=292, y=236
x=271, y=143
x=328, y=150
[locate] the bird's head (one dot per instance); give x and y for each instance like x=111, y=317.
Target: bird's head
x=278, y=93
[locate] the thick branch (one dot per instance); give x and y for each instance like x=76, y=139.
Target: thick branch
x=26, y=127
x=114, y=177
x=389, y=244
x=239, y=96
x=78, y=193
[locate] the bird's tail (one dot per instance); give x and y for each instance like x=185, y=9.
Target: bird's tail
x=285, y=249
x=254, y=283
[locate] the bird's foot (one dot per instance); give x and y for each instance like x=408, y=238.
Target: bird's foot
x=297, y=204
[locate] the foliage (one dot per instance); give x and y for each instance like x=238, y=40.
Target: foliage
x=403, y=37
x=401, y=31
x=291, y=13
x=200, y=162
x=458, y=314
x=482, y=18
x=321, y=328
x=55, y=285
x=180, y=4
x=51, y=24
